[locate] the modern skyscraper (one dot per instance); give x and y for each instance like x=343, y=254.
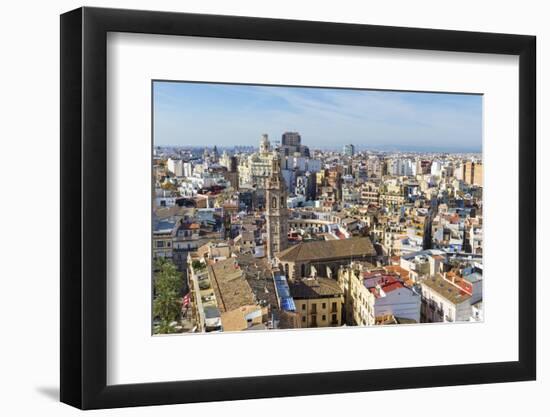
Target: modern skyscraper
x=291, y=144
x=349, y=150
x=276, y=211
x=291, y=139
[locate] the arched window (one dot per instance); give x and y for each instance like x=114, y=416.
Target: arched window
x=274, y=202
x=282, y=201
x=303, y=271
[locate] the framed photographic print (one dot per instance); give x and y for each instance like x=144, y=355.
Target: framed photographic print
x=258, y=207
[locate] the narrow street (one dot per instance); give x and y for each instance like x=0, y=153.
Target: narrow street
x=427, y=240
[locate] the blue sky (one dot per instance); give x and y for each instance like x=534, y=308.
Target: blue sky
x=199, y=114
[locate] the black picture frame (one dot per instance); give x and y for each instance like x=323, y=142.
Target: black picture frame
x=84, y=207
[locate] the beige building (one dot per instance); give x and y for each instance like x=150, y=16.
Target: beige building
x=473, y=173
x=324, y=257
x=391, y=199
x=255, y=170
x=369, y=193
x=163, y=235
x=359, y=301
x=318, y=301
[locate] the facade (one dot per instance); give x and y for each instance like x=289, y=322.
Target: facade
x=370, y=193
x=391, y=199
x=256, y=169
x=473, y=173
x=318, y=301
x=359, y=301
x=175, y=166
x=163, y=232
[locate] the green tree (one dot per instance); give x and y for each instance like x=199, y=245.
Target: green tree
x=166, y=306
x=164, y=328
x=166, y=303
x=198, y=265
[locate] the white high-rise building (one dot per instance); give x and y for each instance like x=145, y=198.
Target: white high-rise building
x=187, y=169
x=436, y=168
x=175, y=166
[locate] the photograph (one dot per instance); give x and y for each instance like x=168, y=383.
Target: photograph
x=249, y=208
x=298, y=207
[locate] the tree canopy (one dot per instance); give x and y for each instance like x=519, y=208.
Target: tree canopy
x=167, y=300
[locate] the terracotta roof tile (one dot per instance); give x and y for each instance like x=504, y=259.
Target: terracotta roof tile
x=328, y=249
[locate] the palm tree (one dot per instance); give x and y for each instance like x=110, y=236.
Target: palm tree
x=167, y=287
x=166, y=306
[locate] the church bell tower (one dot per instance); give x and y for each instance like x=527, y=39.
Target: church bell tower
x=276, y=211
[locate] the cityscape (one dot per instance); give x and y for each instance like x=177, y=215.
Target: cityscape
x=304, y=229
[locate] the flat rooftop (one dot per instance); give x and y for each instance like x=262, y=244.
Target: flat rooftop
x=446, y=289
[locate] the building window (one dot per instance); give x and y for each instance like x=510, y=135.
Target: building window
x=324, y=317
x=324, y=305
x=303, y=319
x=160, y=244
x=274, y=202
x=334, y=307
x=313, y=308
x=303, y=270
x=303, y=306
x=334, y=319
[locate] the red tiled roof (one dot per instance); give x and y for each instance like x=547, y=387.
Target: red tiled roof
x=392, y=287
x=402, y=272
x=382, y=280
